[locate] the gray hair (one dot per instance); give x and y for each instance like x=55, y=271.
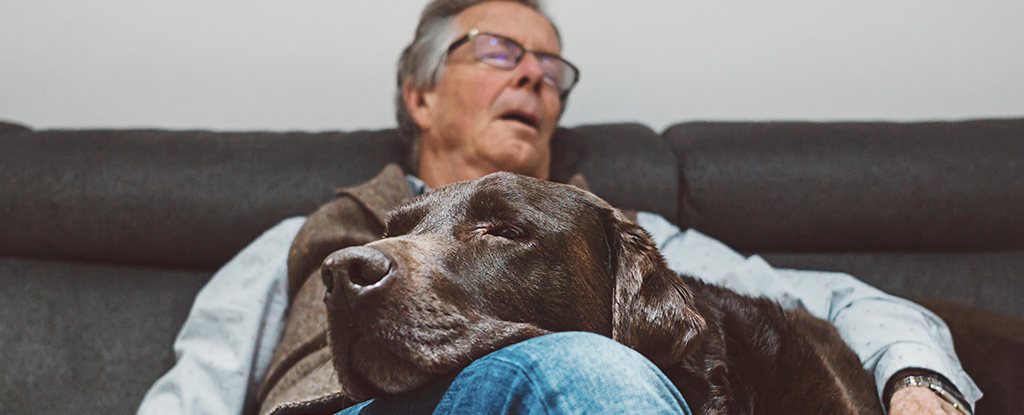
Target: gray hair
x=422, y=62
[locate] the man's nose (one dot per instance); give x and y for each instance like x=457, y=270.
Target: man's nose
x=530, y=73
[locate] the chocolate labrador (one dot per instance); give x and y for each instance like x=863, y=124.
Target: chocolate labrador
x=472, y=267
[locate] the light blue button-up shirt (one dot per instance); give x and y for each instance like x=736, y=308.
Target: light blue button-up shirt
x=226, y=343
x=888, y=333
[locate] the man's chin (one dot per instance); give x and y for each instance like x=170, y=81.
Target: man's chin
x=521, y=130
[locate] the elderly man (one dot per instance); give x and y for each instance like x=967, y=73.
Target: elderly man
x=481, y=89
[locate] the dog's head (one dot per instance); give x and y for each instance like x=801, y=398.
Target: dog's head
x=472, y=267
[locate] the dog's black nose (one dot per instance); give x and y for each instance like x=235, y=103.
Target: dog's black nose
x=354, y=267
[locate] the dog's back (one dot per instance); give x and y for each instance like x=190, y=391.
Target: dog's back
x=758, y=358
x=856, y=387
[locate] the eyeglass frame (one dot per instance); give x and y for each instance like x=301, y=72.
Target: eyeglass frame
x=468, y=37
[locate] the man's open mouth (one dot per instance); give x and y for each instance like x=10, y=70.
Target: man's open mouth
x=530, y=120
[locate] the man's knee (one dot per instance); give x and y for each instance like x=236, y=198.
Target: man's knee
x=573, y=351
x=575, y=369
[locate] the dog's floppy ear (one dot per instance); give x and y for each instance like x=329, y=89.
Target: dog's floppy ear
x=652, y=310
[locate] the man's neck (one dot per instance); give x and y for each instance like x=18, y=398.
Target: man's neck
x=437, y=172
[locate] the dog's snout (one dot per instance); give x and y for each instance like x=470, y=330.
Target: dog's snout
x=354, y=267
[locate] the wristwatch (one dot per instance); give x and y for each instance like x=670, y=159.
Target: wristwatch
x=947, y=393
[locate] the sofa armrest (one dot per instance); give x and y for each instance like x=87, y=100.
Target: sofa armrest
x=989, y=346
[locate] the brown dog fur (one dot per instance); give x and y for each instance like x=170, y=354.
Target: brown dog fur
x=473, y=267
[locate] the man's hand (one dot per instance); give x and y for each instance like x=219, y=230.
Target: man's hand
x=919, y=400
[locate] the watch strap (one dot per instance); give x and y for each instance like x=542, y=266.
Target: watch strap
x=937, y=385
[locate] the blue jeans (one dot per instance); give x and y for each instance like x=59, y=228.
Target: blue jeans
x=561, y=373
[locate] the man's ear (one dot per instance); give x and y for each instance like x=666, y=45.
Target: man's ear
x=419, y=103
x=653, y=311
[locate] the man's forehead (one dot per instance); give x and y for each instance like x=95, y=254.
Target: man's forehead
x=512, y=20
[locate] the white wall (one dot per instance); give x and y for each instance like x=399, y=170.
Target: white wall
x=329, y=64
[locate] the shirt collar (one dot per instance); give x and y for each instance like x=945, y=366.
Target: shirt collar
x=418, y=186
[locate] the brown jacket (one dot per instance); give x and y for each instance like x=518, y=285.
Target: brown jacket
x=301, y=378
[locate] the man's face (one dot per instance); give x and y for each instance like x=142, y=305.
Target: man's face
x=480, y=119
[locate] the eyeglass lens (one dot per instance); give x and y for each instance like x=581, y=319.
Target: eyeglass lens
x=506, y=54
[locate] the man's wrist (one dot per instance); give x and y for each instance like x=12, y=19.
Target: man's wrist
x=928, y=379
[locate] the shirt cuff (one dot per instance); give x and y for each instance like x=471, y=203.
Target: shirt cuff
x=904, y=355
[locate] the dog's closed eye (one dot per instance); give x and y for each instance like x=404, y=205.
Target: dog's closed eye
x=504, y=231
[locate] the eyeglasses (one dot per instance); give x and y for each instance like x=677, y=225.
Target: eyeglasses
x=504, y=53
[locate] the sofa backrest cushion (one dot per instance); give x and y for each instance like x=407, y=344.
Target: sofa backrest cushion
x=192, y=199
x=184, y=199
x=787, y=186
x=7, y=127
x=626, y=164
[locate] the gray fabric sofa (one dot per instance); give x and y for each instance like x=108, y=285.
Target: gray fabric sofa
x=107, y=235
